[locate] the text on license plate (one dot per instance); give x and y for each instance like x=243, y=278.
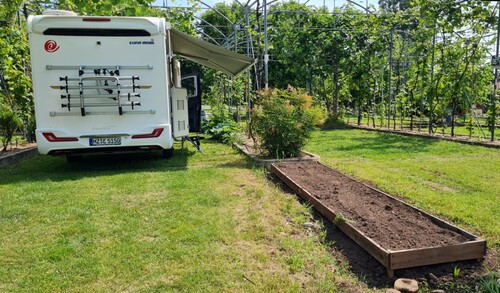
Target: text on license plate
x=105, y=141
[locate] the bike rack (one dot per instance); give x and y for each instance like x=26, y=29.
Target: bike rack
x=104, y=86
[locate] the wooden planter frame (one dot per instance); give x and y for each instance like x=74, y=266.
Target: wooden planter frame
x=392, y=260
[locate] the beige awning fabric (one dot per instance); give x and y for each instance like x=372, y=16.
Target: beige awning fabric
x=208, y=54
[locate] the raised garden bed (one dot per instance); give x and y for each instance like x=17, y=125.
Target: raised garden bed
x=251, y=152
x=395, y=233
x=15, y=155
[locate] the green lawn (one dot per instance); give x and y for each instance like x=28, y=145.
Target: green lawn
x=208, y=223
x=458, y=182
x=196, y=223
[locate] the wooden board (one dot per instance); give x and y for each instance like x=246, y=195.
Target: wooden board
x=434, y=255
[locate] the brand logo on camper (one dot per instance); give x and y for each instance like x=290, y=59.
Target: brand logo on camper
x=51, y=46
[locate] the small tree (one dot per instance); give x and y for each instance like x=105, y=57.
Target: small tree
x=9, y=123
x=493, y=111
x=283, y=121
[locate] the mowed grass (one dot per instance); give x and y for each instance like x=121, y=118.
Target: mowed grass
x=458, y=182
x=196, y=223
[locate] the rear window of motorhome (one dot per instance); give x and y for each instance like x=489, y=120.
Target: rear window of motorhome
x=96, y=32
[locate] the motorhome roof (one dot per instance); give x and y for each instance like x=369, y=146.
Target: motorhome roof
x=185, y=45
x=40, y=23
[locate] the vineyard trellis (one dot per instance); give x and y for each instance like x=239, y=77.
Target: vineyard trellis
x=427, y=62
x=475, y=39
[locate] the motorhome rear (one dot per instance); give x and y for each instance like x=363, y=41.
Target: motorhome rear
x=106, y=84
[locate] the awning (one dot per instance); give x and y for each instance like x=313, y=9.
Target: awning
x=208, y=54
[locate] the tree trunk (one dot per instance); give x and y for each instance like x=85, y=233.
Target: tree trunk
x=394, y=118
x=336, y=77
x=360, y=116
x=421, y=120
x=402, y=119
x=411, y=121
x=453, y=113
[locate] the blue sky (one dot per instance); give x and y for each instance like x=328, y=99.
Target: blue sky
x=317, y=3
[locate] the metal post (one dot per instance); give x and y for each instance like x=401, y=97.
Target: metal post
x=266, y=56
x=249, y=106
x=431, y=92
x=229, y=86
x=390, y=85
x=493, y=97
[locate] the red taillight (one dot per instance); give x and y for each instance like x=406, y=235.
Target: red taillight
x=53, y=138
x=156, y=133
x=97, y=19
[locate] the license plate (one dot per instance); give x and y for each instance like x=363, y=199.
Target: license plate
x=105, y=141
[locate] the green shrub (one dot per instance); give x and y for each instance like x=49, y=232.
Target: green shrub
x=283, y=121
x=333, y=122
x=319, y=115
x=221, y=126
x=9, y=123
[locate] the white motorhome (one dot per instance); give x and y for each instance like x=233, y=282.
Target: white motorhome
x=108, y=84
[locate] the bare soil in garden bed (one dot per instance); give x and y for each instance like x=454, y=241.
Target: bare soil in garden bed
x=373, y=274
x=13, y=149
x=255, y=153
x=389, y=222
x=249, y=146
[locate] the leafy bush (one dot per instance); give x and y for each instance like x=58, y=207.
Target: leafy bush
x=319, y=115
x=333, y=122
x=9, y=123
x=221, y=126
x=283, y=121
